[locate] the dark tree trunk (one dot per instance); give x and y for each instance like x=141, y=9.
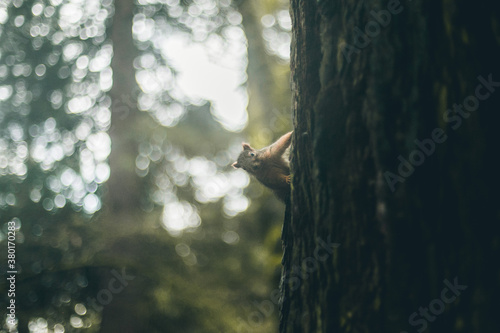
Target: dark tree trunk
x=416, y=221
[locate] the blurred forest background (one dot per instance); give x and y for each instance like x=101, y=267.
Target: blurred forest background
x=118, y=124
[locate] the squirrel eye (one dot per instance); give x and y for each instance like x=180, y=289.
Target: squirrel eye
x=252, y=154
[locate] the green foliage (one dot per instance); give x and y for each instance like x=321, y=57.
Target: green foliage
x=201, y=245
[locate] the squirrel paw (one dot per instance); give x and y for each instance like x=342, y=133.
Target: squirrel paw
x=288, y=179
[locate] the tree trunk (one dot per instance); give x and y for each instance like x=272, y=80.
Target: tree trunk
x=394, y=193
x=125, y=192
x=122, y=205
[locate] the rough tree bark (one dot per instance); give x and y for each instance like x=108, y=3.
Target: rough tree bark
x=370, y=78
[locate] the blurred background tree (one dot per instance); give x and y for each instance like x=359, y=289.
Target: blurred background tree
x=118, y=123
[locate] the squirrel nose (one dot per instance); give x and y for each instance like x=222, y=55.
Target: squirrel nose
x=235, y=165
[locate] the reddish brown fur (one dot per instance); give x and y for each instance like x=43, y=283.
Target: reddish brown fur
x=268, y=165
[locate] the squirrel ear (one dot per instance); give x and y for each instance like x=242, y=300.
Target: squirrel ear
x=235, y=165
x=246, y=146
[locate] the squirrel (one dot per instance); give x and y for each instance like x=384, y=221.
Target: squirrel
x=268, y=165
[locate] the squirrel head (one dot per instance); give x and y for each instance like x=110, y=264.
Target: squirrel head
x=248, y=159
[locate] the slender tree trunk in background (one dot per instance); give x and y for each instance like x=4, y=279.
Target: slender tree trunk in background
x=124, y=185
x=260, y=80
x=415, y=221
x=122, y=203
x=265, y=83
